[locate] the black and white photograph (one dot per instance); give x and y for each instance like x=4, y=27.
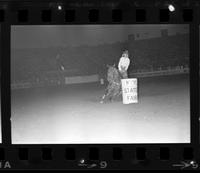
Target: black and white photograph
x=0, y=86
x=100, y=84
x=199, y=83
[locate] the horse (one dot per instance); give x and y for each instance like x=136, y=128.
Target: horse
x=114, y=88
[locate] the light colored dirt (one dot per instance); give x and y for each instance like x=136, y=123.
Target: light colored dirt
x=74, y=115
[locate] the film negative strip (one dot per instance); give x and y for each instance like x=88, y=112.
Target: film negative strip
x=100, y=85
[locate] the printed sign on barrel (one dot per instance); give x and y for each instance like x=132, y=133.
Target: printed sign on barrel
x=129, y=90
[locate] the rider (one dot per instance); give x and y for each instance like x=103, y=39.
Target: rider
x=123, y=65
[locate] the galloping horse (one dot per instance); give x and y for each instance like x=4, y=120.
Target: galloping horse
x=113, y=89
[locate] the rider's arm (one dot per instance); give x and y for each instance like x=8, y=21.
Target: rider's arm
x=127, y=63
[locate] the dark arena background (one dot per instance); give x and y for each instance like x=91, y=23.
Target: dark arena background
x=58, y=77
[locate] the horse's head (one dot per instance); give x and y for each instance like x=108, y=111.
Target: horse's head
x=110, y=66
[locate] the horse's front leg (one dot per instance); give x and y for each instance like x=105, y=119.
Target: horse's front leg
x=102, y=99
x=104, y=96
x=108, y=96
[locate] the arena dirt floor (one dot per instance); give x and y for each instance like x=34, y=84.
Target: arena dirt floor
x=73, y=114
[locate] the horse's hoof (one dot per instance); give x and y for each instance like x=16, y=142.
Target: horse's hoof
x=101, y=102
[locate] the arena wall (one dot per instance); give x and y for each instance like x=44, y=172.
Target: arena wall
x=95, y=78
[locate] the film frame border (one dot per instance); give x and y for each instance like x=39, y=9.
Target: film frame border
x=117, y=156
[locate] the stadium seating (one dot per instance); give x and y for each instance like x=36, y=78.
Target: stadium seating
x=146, y=55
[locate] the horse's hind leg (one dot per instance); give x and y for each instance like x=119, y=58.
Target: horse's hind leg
x=117, y=93
x=112, y=95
